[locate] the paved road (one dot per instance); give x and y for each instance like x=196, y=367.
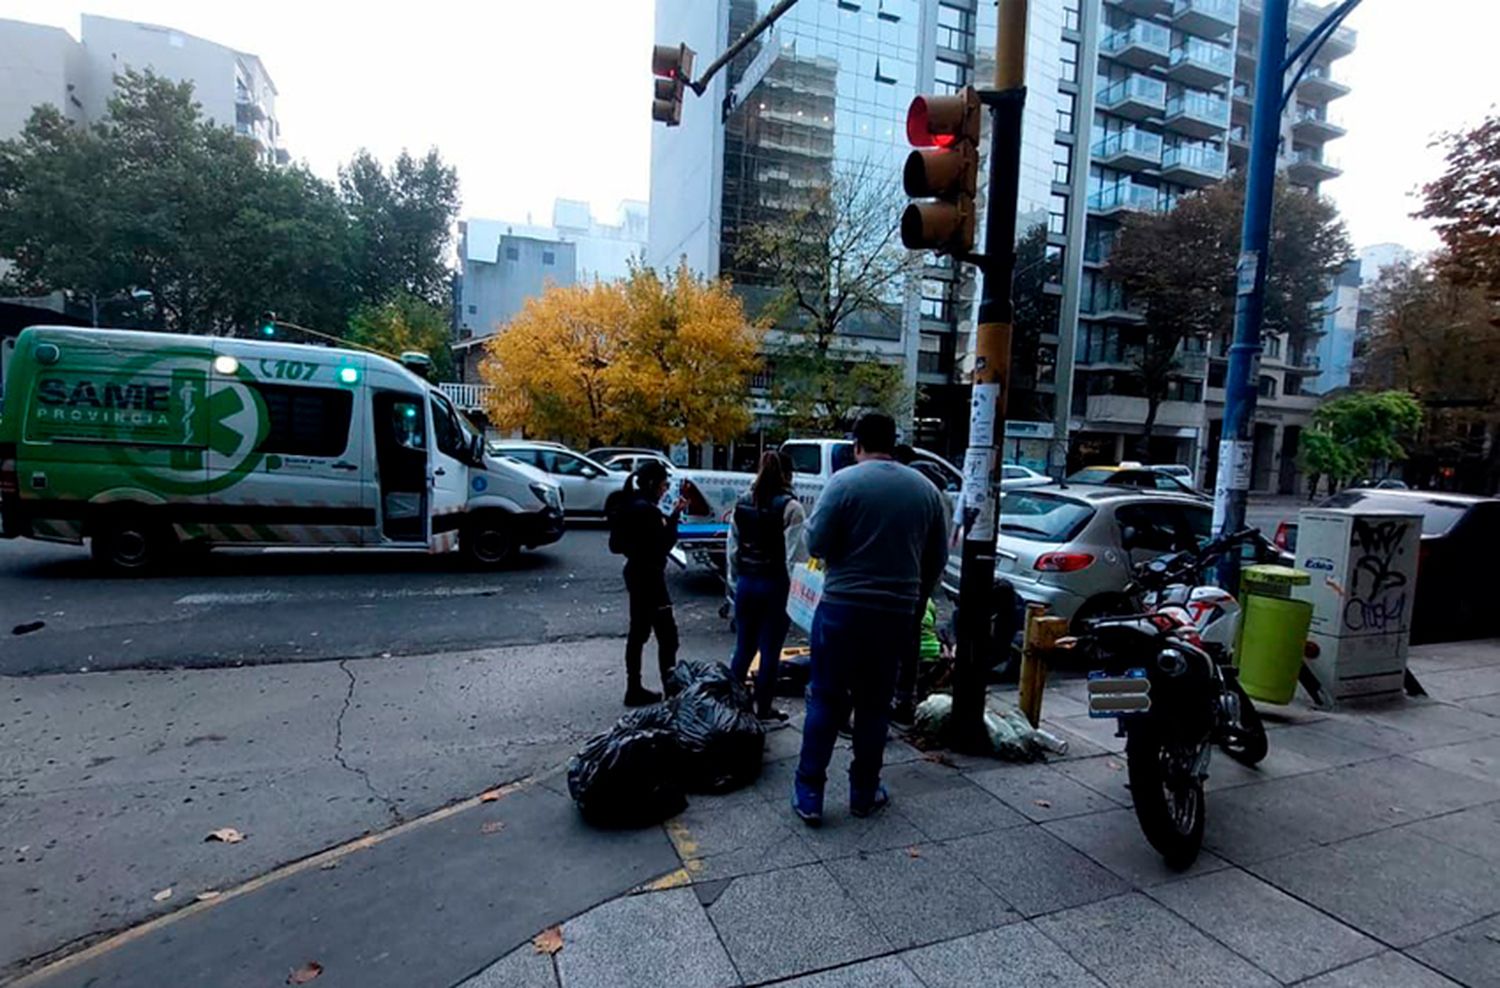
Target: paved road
x=245, y=607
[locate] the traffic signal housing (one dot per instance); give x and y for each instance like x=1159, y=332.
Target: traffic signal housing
x=944, y=171
x=673, y=67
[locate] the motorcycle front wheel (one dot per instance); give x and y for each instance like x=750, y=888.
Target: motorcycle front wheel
x=1168, y=796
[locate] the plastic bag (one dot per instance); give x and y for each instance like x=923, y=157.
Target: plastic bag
x=657, y=717
x=1011, y=735
x=722, y=744
x=628, y=777
x=793, y=674
x=715, y=680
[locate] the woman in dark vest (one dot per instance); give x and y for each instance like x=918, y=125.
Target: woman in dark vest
x=765, y=541
x=644, y=536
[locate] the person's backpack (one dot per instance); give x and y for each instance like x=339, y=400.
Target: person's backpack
x=614, y=511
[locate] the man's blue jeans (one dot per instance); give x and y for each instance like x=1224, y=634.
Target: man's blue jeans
x=855, y=651
x=761, y=622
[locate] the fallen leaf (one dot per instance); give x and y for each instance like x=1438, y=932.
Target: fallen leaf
x=1045, y=804
x=939, y=758
x=490, y=796
x=912, y=852
x=162, y=896
x=206, y=896
x=305, y=973
x=328, y=865
x=492, y=827
x=1113, y=765
x=549, y=941
x=226, y=835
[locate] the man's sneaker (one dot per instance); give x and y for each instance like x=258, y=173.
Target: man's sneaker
x=639, y=696
x=862, y=805
x=771, y=716
x=903, y=714
x=807, y=803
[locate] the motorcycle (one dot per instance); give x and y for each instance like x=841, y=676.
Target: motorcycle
x=1166, y=673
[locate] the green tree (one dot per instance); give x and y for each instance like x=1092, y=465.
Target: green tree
x=1177, y=268
x=401, y=221
x=1350, y=434
x=405, y=323
x=1465, y=202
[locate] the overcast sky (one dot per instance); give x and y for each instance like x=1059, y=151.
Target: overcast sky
x=539, y=100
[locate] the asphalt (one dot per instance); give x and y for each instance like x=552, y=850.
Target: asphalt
x=243, y=607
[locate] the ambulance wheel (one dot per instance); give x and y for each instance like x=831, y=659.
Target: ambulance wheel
x=129, y=547
x=487, y=542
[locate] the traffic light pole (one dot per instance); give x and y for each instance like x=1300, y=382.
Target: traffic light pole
x=979, y=510
x=1236, y=446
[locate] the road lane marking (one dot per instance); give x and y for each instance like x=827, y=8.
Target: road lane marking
x=282, y=596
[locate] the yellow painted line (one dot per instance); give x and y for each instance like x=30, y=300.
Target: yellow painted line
x=333, y=854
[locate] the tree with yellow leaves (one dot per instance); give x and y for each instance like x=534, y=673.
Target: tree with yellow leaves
x=649, y=359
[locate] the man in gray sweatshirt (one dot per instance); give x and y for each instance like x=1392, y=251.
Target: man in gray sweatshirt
x=881, y=530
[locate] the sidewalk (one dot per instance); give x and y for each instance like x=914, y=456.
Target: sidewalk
x=1364, y=853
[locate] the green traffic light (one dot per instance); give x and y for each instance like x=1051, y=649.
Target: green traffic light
x=269, y=329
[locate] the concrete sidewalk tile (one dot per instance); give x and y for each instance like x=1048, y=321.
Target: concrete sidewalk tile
x=920, y=894
x=521, y=968
x=1098, y=731
x=1132, y=942
x=1411, y=726
x=1114, y=840
x=784, y=923
x=782, y=743
x=1265, y=925
x=882, y=972
x=1327, y=750
x=1454, y=685
x=1476, y=830
x=958, y=812
x=1104, y=774
x=1403, y=789
x=1033, y=871
x=843, y=833
x=1397, y=886
x=1477, y=759
x=1470, y=956
x=1014, y=956
x=725, y=841
x=656, y=938
x=1387, y=970
x=1488, y=705
x=1041, y=792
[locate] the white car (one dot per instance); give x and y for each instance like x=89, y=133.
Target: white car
x=1175, y=470
x=585, y=483
x=1013, y=476
x=630, y=462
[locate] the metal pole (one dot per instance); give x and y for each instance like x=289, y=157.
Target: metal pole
x=981, y=493
x=755, y=31
x=1240, y=384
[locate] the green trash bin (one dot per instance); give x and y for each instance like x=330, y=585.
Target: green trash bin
x=1273, y=631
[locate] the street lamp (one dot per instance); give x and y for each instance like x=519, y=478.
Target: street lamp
x=134, y=295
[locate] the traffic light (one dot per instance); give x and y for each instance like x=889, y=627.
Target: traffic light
x=268, y=325
x=946, y=170
x=673, y=67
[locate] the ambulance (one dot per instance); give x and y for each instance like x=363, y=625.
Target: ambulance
x=142, y=443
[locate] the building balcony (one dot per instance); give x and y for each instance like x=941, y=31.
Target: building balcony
x=1210, y=18
x=1309, y=167
x=1197, y=114
x=1142, y=8
x=1192, y=364
x=1129, y=410
x=1239, y=145
x=1126, y=196
x=1136, y=97
x=467, y=397
x=1305, y=18
x=1192, y=164
x=1112, y=309
x=1200, y=63
x=1318, y=86
x=1312, y=125
x=1129, y=149
x=1143, y=45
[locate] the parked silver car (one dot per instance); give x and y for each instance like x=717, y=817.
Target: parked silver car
x=585, y=483
x=1072, y=548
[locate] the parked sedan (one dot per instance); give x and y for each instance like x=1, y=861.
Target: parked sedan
x=1143, y=478
x=1460, y=541
x=630, y=462
x=1072, y=548
x=1013, y=476
x=585, y=483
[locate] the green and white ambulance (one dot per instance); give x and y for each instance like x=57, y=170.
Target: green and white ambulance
x=140, y=442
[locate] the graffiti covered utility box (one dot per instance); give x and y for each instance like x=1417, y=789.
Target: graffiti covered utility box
x=1364, y=582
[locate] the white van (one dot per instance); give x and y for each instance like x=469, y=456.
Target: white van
x=139, y=442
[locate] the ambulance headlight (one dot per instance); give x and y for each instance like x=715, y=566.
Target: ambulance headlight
x=547, y=494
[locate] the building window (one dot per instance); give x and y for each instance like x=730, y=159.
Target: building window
x=1066, y=106
x=1272, y=345
x=1070, y=61
x=1267, y=386
x=1216, y=375
x=548, y=257
x=1293, y=385
x=1062, y=163
x=512, y=253
x=1070, y=15
x=473, y=310
x=1057, y=215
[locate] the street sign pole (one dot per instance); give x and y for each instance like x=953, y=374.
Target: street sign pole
x=979, y=507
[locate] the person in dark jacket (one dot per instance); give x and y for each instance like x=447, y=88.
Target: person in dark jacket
x=765, y=541
x=644, y=537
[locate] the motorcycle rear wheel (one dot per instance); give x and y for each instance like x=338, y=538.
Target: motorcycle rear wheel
x=1168, y=797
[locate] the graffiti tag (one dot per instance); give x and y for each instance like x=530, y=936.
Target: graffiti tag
x=1377, y=598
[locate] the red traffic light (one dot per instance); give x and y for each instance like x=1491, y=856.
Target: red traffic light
x=940, y=121
x=947, y=174
x=673, y=67
x=672, y=61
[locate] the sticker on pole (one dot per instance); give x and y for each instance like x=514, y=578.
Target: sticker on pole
x=1235, y=460
x=977, y=506
x=982, y=408
x=1246, y=272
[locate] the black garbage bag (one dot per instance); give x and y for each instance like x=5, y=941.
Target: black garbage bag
x=713, y=678
x=656, y=717
x=628, y=777
x=722, y=744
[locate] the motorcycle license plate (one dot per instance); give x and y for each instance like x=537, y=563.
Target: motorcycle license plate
x=1119, y=696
